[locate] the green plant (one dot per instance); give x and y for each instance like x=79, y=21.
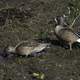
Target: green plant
x=74, y=9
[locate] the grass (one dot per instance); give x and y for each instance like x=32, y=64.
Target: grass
x=57, y=63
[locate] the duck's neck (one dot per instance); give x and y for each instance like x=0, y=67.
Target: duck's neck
x=58, y=28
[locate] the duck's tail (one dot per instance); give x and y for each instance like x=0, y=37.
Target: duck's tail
x=41, y=47
x=78, y=40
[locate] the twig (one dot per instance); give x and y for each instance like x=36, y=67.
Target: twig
x=74, y=21
x=20, y=43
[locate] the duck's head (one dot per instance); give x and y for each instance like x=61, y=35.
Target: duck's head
x=61, y=20
x=10, y=49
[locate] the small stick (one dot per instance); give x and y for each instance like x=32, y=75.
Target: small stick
x=20, y=43
x=74, y=21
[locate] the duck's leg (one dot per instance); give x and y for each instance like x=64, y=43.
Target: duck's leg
x=70, y=46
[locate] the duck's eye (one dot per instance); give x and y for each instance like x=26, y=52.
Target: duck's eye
x=8, y=49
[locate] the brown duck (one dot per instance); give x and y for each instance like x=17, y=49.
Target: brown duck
x=27, y=50
x=63, y=32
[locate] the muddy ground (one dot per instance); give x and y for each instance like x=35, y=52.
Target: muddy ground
x=57, y=63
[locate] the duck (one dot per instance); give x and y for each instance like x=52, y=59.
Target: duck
x=27, y=50
x=65, y=33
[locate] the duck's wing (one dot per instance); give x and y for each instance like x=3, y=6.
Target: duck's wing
x=68, y=35
x=71, y=31
x=40, y=47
